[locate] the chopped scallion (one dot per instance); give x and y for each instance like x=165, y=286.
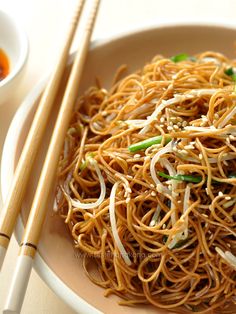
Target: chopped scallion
x=181, y=177
x=84, y=164
x=234, y=77
x=180, y=243
x=177, y=245
x=230, y=72
x=147, y=143
x=190, y=178
x=180, y=57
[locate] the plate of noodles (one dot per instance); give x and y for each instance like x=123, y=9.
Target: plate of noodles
x=142, y=215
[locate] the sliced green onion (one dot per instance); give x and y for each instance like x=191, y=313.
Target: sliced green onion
x=181, y=177
x=234, y=77
x=177, y=245
x=148, y=143
x=180, y=57
x=84, y=164
x=229, y=71
x=180, y=243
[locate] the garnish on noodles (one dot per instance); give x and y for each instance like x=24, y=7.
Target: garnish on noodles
x=147, y=184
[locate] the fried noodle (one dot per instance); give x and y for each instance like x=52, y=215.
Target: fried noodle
x=147, y=184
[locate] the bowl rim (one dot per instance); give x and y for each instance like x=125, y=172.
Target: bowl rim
x=77, y=303
x=24, y=49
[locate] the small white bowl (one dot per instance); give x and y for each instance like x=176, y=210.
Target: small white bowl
x=14, y=42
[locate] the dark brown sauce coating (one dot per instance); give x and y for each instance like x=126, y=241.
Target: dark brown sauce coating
x=4, y=65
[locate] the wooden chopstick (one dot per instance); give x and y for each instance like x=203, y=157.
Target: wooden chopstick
x=37, y=214
x=15, y=196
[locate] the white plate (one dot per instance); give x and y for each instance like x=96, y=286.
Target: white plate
x=57, y=263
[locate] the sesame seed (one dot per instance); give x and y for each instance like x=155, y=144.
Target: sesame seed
x=162, y=119
x=153, y=193
x=200, y=156
x=188, y=147
x=152, y=185
x=127, y=200
x=227, y=198
x=169, y=128
x=207, y=191
x=184, y=124
x=184, y=152
x=159, y=188
x=220, y=194
x=137, y=156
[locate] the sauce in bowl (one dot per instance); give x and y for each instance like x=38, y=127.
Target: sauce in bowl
x=4, y=65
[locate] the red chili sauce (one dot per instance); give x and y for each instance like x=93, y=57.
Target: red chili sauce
x=4, y=65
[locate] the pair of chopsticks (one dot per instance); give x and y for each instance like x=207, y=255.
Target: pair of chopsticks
x=28, y=246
